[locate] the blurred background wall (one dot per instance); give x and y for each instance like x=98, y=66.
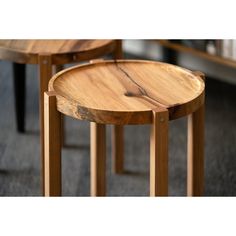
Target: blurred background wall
x=151, y=50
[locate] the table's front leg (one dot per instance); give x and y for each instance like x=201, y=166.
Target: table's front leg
x=159, y=154
x=45, y=73
x=98, y=159
x=195, y=179
x=52, y=145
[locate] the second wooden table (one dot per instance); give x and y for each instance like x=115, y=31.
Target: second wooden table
x=49, y=53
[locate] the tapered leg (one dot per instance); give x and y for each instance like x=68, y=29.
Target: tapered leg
x=98, y=159
x=52, y=151
x=19, y=77
x=195, y=179
x=159, y=154
x=45, y=73
x=117, y=131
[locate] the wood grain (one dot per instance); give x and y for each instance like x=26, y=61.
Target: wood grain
x=61, y=51
x=126, y=91
x=98, y=159
x=159, y=153
x=136, y=92
x=49, y=53
x=52, y=153
x=195, y=176
x=45, y=73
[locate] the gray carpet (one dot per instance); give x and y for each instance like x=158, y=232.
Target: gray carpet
x=19, y=154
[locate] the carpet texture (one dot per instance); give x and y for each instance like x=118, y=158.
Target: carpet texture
x=20, y=160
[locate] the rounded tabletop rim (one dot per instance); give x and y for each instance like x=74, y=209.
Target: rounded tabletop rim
x=69, y=56
x=174, y=112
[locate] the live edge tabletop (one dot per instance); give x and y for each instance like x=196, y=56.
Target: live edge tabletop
x=126, y=91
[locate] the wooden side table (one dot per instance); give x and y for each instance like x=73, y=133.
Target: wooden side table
x=126, y=92
x=49, y=53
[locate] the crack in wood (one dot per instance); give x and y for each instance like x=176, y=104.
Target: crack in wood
x=142, y=92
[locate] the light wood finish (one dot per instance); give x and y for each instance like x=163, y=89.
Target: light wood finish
x=195, y=179
x=53, y=53
x=45, y=73
x=135, y=92
x=52, y=171
x=198, y=53
x=117, y=141
x=62, y=51
x=159, y=153
x=126, y=91
x=98, y=159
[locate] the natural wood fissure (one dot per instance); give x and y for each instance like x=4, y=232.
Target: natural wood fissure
x=133, y=89
x=126, y=91
x=157, y=92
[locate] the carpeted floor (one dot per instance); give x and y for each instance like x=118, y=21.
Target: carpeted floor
x=20, y=162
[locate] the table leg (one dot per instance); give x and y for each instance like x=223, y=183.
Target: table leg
x=98, y=159
x=159, y=154
x=19, y=77
x=52, y=152
x=195, y=176
x=45, y=73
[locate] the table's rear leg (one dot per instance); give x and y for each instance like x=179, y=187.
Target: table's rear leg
x=19, y=78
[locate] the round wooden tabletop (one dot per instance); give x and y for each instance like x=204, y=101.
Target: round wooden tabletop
x=126, y=91
x=62, y=51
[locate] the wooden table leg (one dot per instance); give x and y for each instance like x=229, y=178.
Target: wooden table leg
x=19, y=77
x=45, y=73
x=195, y=177
x=118, y=130
x=52, y=153
x=159, y=154
x=98, y=159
